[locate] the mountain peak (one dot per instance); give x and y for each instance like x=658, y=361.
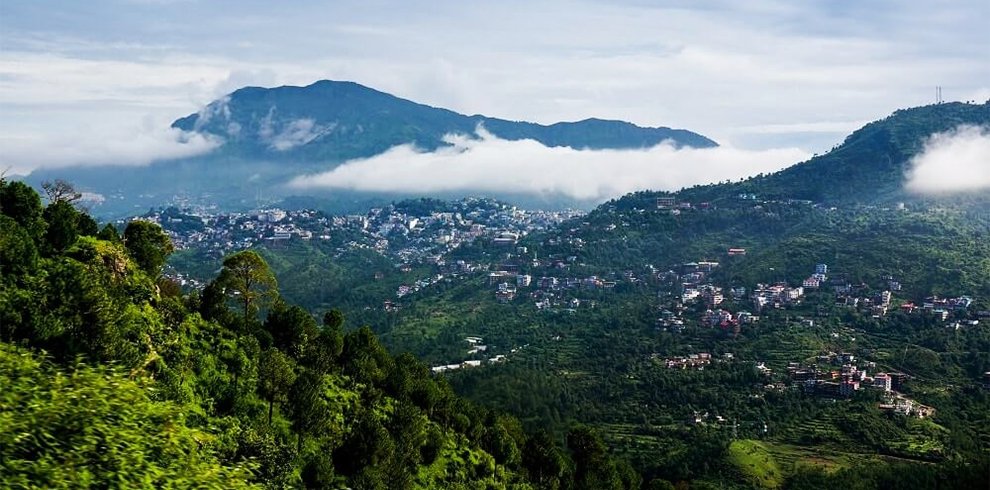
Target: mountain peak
x=333, y=121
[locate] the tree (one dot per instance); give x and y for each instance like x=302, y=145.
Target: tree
x=324, y=351
x=310, y=414
x=212, y=305
x=292, y=328
x=18, y=254
x=18, y=261
x=109, y=233
x=247, y=278
x=333, y=320
x=63, y=226
x=60, y=191
x=500, y=444
x=365, y=358
x=148, y=245
x=86, y=225
x=592, y=466
x=275, y=377
x=543, y=461
x=368, y=445
x=19, y=201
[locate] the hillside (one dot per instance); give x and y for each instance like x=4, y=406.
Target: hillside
x=113, y=377
x=695, y=362
x=868, y=167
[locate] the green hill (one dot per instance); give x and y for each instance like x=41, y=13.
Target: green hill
x=868, y=167
x=113, y=377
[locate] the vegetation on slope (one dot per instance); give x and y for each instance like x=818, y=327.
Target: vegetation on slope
x=112, y=377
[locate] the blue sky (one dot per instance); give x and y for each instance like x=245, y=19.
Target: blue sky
x=99, y=81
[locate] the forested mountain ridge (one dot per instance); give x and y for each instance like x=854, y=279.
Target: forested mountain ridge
x=868, y=167
x=332, y=121
x=113, y=376
x=848, y=203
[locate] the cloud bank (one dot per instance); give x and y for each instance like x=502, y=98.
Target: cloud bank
x=760, y=74
x=954, y=161
x=491, y=164
x=139, y=144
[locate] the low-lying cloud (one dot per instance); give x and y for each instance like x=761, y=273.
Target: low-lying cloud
x=954, y=161
x=136, y=145
x=298, y=133
x=491, y=164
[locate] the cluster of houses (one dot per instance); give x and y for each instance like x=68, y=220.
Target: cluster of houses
x=225, y=233
x=941, y=308
x=406, y=237
x=476, y=348
x=546, y=291
x=877, y=304
x=778, y=295
x=842, y=376
x=691, y=361
x=815, y=280
x=671, y=205
x=407, y=289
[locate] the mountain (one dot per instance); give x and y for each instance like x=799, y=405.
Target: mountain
x=272, y=135
x=336, y=121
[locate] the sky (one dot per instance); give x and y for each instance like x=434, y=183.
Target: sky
x=100, y=81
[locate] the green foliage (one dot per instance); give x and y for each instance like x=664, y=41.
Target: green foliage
x=276, y=374
x=18, y=254
x=246, y=279
x=63, y=226
x=148, y=245
x=21, y=203
x=324, y=351
x=292, y=328
x=197, y=406
x=109, y=233
x=91, y=427
x=593, y=468
x=544, y=462
x=364, y=358
x=755, y=463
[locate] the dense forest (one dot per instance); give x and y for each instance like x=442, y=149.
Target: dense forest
x=113, y=378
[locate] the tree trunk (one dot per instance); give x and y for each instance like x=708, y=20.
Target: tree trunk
x=271, y=407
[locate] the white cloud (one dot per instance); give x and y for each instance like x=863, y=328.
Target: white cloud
x=954, y=161
x=298, y=133
x=140, y=144
x=295, y=133
x=763, y=74
x=496, y=165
